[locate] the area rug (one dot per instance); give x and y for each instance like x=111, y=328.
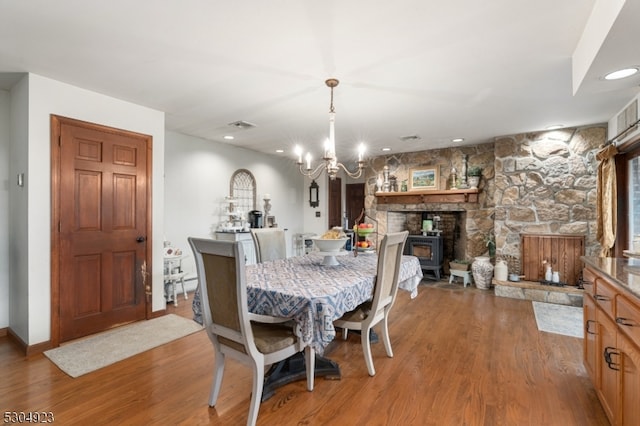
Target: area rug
x=88, y=354
x=559, y=319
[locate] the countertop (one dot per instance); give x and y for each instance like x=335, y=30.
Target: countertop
x=623, y=271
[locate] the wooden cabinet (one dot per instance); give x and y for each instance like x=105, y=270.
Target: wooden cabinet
x=612, y=347
x=607, y=380
x=630, y=379
x=590, y=354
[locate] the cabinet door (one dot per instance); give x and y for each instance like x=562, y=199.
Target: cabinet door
x=590, y=336
x=249, y=252
x=609, y=362
x=629, y=382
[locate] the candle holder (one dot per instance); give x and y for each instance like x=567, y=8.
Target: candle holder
x=267, y=206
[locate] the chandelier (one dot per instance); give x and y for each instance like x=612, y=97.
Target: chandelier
x=330, y=161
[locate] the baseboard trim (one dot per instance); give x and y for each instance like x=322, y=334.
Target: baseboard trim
x=28, y=350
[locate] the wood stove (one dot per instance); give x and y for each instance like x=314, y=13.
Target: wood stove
x=429, y=251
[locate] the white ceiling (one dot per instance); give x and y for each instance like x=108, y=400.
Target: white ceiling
x=435, y=69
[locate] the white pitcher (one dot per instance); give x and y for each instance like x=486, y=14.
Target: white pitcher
x=549, y=274
x=501, y=271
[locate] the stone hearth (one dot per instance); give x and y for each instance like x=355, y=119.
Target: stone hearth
x=530, y=290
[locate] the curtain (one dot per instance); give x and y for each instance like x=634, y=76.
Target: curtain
x=607, y=205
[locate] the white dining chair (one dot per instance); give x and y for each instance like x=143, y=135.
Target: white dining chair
x=270, y=244
x=376, y=311
x=254, y=340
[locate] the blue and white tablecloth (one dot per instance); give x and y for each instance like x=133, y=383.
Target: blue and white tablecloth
x=315, y=295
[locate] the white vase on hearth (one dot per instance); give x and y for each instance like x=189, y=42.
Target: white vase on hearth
x=482, y=270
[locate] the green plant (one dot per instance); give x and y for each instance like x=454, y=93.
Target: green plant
x=460, y=264
x=490, y=242
x=474, y=171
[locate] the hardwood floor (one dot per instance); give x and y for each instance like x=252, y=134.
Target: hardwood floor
x=461, y=357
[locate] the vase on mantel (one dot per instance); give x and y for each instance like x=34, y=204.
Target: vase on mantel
x=474, y=181
x=482, y=270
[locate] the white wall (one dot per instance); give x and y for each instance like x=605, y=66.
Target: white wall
x=30, y=284
x=18, y=247
x=4, y=208
x=197, y=175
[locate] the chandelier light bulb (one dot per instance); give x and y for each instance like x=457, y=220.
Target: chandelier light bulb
x=298, y=150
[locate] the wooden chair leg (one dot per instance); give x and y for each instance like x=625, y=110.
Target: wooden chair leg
x=310, y=362
x=366, y=349
x=217, y=379
x=256, y=392
x=175, y=298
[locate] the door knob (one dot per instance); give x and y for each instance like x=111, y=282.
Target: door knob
x=140, y=239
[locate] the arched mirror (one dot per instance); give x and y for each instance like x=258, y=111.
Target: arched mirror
x=243, y=189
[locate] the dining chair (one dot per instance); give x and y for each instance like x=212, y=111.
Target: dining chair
x=255, y=340
x=270, y=244
x=375, y=311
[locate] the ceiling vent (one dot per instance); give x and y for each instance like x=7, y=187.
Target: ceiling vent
x=410, y=138
x=242, y=125
x=624, y=126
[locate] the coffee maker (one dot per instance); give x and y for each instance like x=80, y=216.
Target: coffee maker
x=255, y=219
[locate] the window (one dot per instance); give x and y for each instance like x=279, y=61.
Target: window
x=628, y=178
x=633, y=195
x=243, y=189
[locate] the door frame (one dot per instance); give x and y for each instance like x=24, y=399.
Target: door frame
x=56, y=122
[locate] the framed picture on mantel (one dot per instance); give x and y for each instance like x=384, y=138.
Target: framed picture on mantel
x=423, y=178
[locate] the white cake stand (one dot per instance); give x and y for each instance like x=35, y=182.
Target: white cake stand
x=330, y=257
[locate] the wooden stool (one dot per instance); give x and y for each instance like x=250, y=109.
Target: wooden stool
x=465, y=275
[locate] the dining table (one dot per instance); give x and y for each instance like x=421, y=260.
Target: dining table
x=313, y=294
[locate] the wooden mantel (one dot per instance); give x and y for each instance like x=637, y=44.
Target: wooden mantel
x=429, y=196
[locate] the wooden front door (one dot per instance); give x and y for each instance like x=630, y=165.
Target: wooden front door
x=335, y=202
x=101, y=199
x=354, y=195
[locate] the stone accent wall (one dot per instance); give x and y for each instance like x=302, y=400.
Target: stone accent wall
x=546, y=184
x=538, y=183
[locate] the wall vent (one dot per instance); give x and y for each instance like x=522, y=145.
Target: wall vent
x=242, y=125
x=624, y=126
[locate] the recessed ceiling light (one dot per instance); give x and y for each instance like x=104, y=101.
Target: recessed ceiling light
x=555, y=127
x=385, y=149
x=228, y=137
x=457, y=140
x=617, y=75
x=279, y=151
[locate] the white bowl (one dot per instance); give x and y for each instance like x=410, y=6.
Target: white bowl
x=329, y=246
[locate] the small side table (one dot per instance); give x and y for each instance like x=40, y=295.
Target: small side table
x=173, y=275
x=465, y=275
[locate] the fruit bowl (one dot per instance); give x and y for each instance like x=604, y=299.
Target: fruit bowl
x=363, y=232
x=329, y=246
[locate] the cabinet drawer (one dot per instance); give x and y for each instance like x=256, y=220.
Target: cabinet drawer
x=628, y=317
x=605, y=293
x=588, y=280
